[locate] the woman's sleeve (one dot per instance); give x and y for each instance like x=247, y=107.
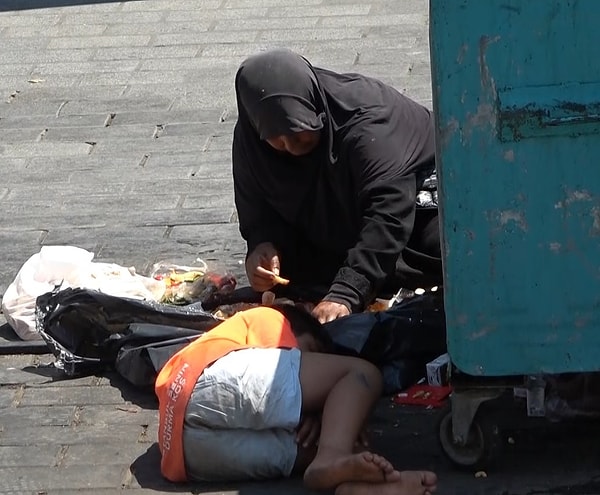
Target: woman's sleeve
x=258, y=221
x=386, y=193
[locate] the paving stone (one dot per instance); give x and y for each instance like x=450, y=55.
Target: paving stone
x=12, y=375
x=142, y=53
x=238, y=4
x=268, y=23
x=56, y=193
x=96, y=134
x=119, y=414
x=246, y=49
x=346, y=19
x=70, y=101
x=25, y=417
x=86, y=67
x=193, y=64
x=43, y=480
x=29, y=55
x=165, y=5
x=222, y=13
x=110, y=18
x=70, y=435
x=314, y=9
x=160, y=26
x=187, y=116
x=149, y=145
x=17, y=69
x=311, y=34
x=53, y=31
x=127, y=103
x=14, y=44
x=202, y=98
x=44, y=148
x=137, y=77
x=98, y=41
x=42, y=8
x=51, y=121
x=28, y=457
x=202, y=38
x=105, y=454
x=14, y=82
x=77, y=395
x=184, y=186
x=16, y=135
x=216, y=200
x=7, y=395
x=197, y=129
x=10, y=19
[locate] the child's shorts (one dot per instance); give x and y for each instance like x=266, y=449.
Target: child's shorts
x=241, y=418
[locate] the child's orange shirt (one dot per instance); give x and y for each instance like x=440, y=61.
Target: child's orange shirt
x=260, y=327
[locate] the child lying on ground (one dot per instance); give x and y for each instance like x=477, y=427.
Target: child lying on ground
x=241, y=402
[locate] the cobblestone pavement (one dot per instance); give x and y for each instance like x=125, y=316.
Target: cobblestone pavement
x=115, y=133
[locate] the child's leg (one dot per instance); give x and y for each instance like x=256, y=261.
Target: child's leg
x=345, y=389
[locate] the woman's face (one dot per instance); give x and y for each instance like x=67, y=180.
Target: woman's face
x=297, y=144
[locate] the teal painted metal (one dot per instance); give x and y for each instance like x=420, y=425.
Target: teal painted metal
x=516, y=92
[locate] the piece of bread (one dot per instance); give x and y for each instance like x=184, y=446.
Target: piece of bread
x=280, y=280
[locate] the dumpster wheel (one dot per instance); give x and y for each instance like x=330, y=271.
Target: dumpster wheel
x=483, y=444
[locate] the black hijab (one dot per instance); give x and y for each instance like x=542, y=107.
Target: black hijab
x=278, y=94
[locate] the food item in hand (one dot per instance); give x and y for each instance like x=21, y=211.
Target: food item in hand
x=268, y=298
x=280, y=280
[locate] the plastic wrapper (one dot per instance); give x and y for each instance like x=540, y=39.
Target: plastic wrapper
x=190, y=284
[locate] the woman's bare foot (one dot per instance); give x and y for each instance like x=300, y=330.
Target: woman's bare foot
x=327, y=472
x=409, y=483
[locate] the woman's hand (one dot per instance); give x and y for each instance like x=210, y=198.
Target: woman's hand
x=328, y=311
x=261, y=266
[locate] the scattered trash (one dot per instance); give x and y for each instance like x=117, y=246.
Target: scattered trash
x=423, y=395
x=190, y=284
x=68, y=266
x=480, y=474
x=36, y=81
x=511, y=440
x=438, y=370
x=128, y=409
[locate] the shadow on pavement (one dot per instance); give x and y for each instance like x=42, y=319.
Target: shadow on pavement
x=143, y=397
x=11, y=343
x=146, y=471
x=8, y=5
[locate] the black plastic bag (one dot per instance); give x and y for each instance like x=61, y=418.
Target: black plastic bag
x=139, y=364
x=413, y=328
x=400, y=340
x=85, y=329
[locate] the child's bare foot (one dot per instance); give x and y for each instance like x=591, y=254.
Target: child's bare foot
x=409, y=483
x=327, y=472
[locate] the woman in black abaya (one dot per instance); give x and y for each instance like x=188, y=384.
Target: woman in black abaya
x=326, y=170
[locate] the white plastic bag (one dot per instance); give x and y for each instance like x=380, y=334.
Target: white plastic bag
x=68, y=266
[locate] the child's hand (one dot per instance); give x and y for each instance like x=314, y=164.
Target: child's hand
x=308, y=431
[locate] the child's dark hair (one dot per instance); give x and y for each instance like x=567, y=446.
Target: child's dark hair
x=303, y=322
